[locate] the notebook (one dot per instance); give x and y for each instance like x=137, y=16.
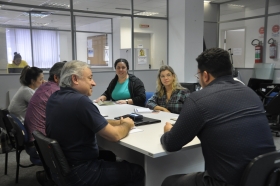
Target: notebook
x=144, y=121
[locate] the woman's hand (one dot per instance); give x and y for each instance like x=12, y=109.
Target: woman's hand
x=165, y=110
x=121, y=102
x=101, y=98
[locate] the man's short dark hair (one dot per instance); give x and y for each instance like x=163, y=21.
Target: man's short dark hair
x=55, y=70
x=215, y=61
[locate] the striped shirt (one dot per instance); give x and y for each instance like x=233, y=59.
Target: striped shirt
x=35, y=117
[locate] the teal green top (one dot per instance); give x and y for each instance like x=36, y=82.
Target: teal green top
x=121, y=91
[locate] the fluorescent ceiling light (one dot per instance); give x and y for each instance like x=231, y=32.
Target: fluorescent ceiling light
x=207, y=1
x=39, y=24
x=146, y=13
x=40, y=15
x=55, y=5
x=241, y=6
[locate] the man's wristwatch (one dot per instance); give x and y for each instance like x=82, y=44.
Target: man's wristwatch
x=126, y=101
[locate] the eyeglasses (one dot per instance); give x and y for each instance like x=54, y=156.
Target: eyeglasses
x=196, y=75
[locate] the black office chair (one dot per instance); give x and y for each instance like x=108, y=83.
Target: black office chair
x=6, y=145
x=52, y=157
x=8, y=129
x=273, y=112
x=18, y=132
x=263, y=170
x=191, y=86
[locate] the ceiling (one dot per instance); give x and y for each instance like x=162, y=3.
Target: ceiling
x=14, y=15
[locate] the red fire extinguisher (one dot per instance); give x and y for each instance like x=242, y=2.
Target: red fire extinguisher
x=272, y=48
x=258, y=50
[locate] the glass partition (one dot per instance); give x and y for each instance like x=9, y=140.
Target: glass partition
x=238, y=36
x=42, y=33
x=49, y=4
x=150, y=44
x=273, y=40
x=12, y=39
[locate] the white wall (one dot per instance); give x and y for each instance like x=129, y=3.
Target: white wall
x=158, y=31
x=65, y=46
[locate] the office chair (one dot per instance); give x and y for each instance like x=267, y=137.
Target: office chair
x=191, y=86
x=19, y=133
x=271, y=101
x=255, y=85
x=263, y=170
x=148, y=96
x=52, y=157
x=11, y=140
x=5, y=140
x=272, y=112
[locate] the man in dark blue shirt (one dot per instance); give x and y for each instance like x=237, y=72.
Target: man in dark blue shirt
x=73, y=120
x=227, y=117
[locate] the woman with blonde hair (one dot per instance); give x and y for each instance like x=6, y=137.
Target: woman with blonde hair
x=170, y=95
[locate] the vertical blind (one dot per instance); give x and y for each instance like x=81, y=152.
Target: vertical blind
x=45, y=46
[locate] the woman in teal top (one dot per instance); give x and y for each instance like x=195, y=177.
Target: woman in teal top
x=121, y=91
x=125, y=88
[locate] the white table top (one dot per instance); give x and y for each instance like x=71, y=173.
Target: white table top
x=147, y=141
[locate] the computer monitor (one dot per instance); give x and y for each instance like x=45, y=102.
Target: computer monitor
x=191, y=86
x=15, y=70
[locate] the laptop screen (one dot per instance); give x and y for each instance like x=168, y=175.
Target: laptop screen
x=15, y=70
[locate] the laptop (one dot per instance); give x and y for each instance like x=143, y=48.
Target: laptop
x=143, y=121
x=15, y=70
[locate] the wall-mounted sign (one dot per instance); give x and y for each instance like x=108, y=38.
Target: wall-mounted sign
x=144, y=26
x=275, y=31
x=261, y=30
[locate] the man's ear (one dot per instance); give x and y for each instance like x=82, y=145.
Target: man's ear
x=75, y=79
x=56, y=78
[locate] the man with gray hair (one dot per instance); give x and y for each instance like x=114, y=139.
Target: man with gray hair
x=35, y=118
x=70, y=110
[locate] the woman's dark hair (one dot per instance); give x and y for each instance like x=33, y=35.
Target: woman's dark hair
x=215, y=61
x=121, y=60
x=28, y=73
x=16, y=55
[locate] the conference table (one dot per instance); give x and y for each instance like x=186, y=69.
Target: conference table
x=144, y=147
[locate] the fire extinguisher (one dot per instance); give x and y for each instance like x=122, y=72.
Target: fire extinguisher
x=258, y=50
x=272, y=48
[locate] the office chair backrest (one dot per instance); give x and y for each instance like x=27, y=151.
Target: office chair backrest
x=21, y=126
x=191, y=86
x=17, y=131
x=52, y=156
x=148, y=96
x=263, y=170
x=273, y=107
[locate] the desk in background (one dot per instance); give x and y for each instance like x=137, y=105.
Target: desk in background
x=144, y=148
